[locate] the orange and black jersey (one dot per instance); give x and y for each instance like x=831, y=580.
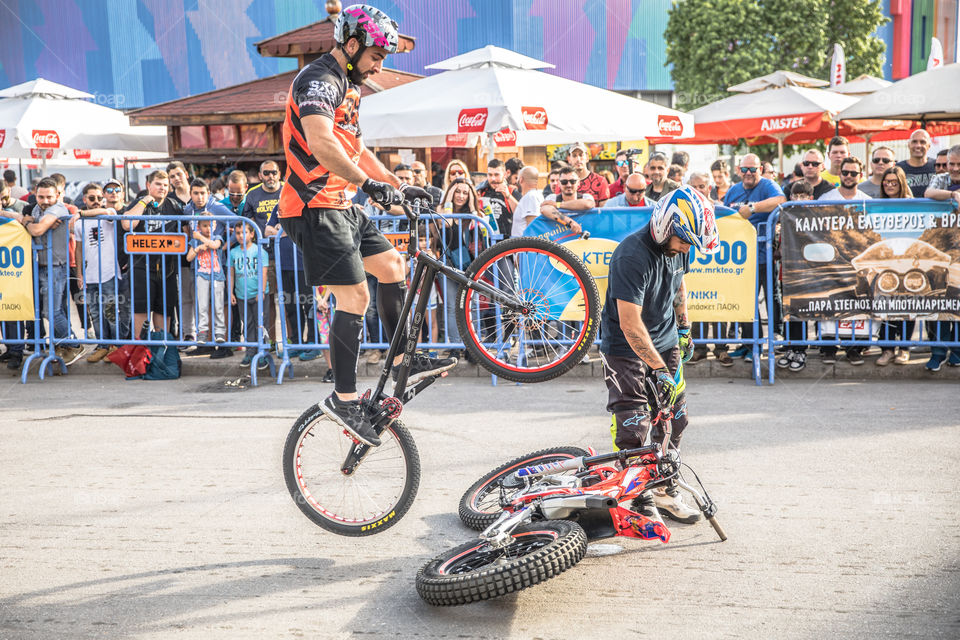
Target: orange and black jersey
x=320, y=88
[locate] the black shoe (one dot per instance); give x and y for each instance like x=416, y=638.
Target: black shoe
x=14, y=362
x=6, y=355
x=828, y=356
x=426, y=367
x=221, y=352
x=203, y=351
x=854, y=357
x=351, y=416
x=645, y=506
x=328, y=376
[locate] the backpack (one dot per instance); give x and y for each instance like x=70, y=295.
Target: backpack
x=164, y=361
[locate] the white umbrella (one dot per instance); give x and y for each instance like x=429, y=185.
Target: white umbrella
x=44, y=115
x=929, y=95
x=492, y=89
x=863, y=85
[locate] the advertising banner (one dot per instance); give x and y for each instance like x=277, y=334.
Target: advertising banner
x=720, y=288
x=877, y=258
x=16, y=271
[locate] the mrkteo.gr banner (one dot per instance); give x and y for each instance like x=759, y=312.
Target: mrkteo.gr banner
x=16, y=271
x=720, y=287
x=873, y=258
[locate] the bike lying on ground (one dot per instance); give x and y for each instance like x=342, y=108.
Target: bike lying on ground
x=527, y=310
x=538, y=512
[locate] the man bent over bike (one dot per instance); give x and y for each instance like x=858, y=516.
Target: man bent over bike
x=325, y=157
x=646, y=332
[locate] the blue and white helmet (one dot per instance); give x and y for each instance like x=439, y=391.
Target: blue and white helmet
x=687, y=214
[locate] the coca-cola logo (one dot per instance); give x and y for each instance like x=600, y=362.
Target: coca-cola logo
x=456, y=139
x=472, y=120
x=534, y=117
x=505, y=138
x=39, y=154
x=45, y=139
x=670, y=125
x=3, y=136
x=95, y=162
x=81, y=154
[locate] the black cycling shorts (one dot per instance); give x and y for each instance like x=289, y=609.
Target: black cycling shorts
x=334, y=243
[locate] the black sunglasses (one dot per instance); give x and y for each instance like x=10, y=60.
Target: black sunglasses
x=633, y=191
x=811, y=163
x=849, y=174
x=939, y=165
x=271, y=173
x=749, y=169
x=882, y=160
x=570, y=181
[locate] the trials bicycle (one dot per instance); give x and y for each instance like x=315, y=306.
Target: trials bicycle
x=527, y=310
x=537, y=513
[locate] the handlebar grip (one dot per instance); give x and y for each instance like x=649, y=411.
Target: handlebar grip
x=716, y=527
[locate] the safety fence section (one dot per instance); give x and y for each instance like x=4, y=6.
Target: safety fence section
x=867, y=273
x=825, y=275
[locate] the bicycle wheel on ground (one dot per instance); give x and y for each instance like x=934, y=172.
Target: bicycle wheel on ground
x=372, y=498
x=477, y=571
x=559, y=319
x=480, y=505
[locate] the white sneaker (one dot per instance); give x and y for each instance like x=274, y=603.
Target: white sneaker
x=783, y=362
x=674, y=507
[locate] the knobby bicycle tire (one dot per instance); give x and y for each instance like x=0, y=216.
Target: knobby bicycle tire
x=476, y=571
x=562, y=315
x=479, y=506
x=375, y=497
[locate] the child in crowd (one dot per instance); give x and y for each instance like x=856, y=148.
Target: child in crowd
x=204, y=253
x=801, y=190
x=248, y=268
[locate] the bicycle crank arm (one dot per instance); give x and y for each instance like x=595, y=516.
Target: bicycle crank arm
x=354, y=457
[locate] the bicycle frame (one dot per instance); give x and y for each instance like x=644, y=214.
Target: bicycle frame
x=385, y=408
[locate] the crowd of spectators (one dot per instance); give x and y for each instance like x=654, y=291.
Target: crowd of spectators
x=213, y=293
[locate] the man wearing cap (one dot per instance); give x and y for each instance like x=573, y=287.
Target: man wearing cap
x=590, y=182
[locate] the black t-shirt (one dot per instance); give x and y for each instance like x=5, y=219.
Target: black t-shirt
x=169, y=207
x=258, y=205
x=822, y=187
x=918, y=178
x=502, y=212
x=641, y=273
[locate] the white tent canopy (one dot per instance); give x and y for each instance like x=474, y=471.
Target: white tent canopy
x=491, y=89
x=778, y=79
x=45, y=115
x=862, y=85
x=929, y=95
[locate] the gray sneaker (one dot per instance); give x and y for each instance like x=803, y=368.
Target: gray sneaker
x=351, y=416
x=671, y=503
x=425, y=367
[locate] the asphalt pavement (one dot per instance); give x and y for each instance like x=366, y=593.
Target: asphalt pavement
x=158, y=510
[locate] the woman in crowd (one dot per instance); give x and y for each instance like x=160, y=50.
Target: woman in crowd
x=460, y=241
x=456, y=169
x=893, y=184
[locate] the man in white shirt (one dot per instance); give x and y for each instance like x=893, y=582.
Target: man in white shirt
x=530, y=200
x=851, y=170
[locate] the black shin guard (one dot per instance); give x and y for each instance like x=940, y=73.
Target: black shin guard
x=345, y=333
x=389, y=305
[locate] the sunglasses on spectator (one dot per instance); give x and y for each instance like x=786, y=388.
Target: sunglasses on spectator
x=633, y=191
x=891, y=183
x=418, y=171
x=849, y=174
x=456, y=173
x=235, y=195
x=749, y=169
x=882, y=160
x=812, y=163
x=570, y=181
x=622, y=163
x=93, y=198
x=113, y=189
x=271, y=172
x=940, y=165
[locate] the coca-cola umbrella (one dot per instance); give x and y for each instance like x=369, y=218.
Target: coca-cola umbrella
x=43, y=120
x=492, y=92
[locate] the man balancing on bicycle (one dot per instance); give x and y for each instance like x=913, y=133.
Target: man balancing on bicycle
x=326, y=159
x=646, y=332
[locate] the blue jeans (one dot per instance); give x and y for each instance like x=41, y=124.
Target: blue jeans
x=102, y=302
x=55, y=286
x=448, y=289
